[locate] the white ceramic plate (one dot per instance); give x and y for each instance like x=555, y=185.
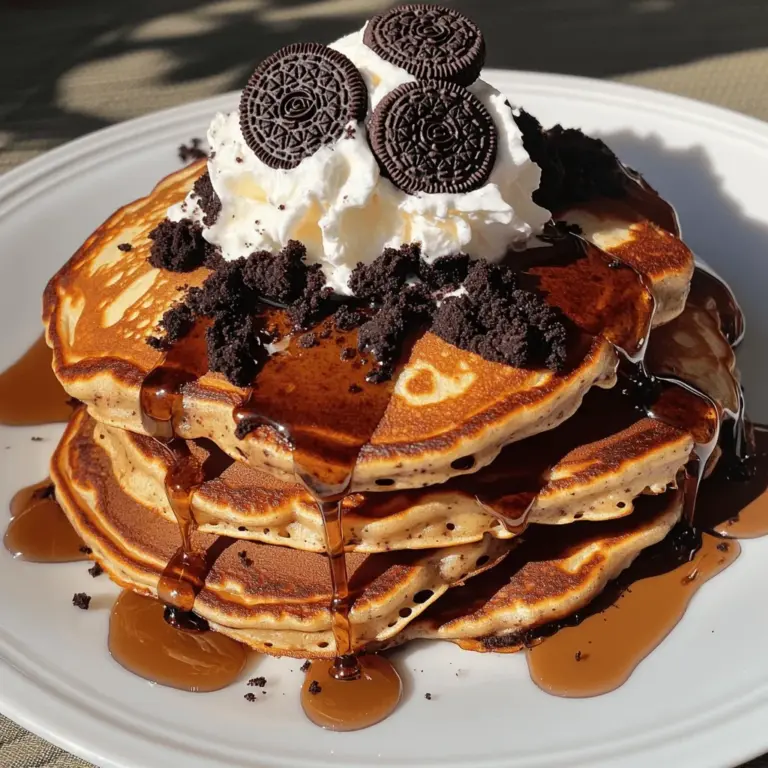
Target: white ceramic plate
x=700, y=700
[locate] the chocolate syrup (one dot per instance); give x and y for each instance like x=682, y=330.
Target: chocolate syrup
x=328, y=410
x=603, y=646
x=39, y=530
x=141, y=640
x=735, y=504
x=30, y=393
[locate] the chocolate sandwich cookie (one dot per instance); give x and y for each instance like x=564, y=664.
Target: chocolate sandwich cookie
x=429, y=42
x=433, y=136
x=298, y=100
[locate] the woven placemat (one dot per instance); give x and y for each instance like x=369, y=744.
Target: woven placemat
x=67, y=69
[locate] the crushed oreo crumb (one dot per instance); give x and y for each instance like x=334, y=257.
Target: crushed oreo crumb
x=95, y=570
x=428, y=696
x=36, y=439
x=314, y=688
x=387, y=274
x=250, y=697
x=81, y=600
x=125, y=247
x=577, y=656
x=385, y=333
x=447, y=272
x=307, y=340
x=86, y=550
x=347, y=353
x=257, y=682
x=245, y=560
x=723, y=546
x=192, y=151
x=574, y=167
x=347, y=319
x=305, y=666
x=207, y=199
x=179, y=246
x=501, y=322
x=177, y=322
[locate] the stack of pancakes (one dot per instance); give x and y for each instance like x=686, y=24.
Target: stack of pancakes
x=547, y=483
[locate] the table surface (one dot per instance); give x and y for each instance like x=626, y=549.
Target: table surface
x=67, y=69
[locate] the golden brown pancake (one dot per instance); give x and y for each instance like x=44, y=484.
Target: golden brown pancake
x=276, y=599
x=591, y=467
x=551, y=574
x=448, y=404
x=619, y=229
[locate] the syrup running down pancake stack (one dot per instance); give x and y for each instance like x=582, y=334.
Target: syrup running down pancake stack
x=394, y=362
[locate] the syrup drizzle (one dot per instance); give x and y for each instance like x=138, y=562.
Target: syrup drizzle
x=328, y=410
x=161, y=400
x=595, y=652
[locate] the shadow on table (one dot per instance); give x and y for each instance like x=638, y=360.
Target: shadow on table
x=718, y=230
x=43, y=42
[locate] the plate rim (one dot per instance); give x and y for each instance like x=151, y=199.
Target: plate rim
x=20, y=693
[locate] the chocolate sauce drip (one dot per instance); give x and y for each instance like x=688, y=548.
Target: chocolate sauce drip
x=30, y=393
x=39, y=530
x=142, y=640
x=735, y=504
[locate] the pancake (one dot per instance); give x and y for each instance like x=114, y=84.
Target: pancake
x=591, y=467
x=622, y=230
x=275, y=599
x=448, y=404
x=551, y=574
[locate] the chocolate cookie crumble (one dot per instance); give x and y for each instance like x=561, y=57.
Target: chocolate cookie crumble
x=501, y=322
x=125, y=247
x=95, y=570
x=207, y=199
x=192, y=151
x=179, y=246
x=574, y=167
x=81, y=600
x=258, y=682
x=315, y=688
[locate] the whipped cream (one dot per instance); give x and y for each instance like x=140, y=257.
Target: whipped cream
x=343, y=210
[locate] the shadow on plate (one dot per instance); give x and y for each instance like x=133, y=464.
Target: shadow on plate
x=718, y=230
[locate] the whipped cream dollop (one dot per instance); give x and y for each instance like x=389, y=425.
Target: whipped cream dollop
x=343, y=210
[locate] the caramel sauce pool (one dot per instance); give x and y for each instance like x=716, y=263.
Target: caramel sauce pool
x=39, y=530
x=30, y=394
x=601, y=652
x=142, y=641
x=341, y=705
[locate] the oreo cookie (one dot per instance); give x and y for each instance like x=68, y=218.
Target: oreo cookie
x=298, y=100
x=433, y=136
x=429, y=42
